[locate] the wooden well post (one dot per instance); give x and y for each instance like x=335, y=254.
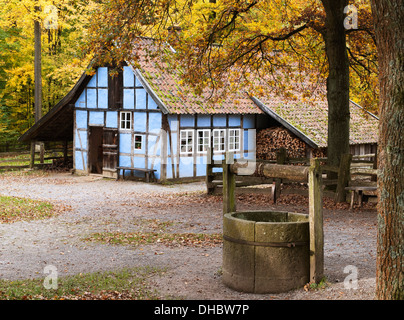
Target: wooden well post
x=280, y=159
x=229, y=185
x=209, y=172
x=311, y=175
x=315, y=181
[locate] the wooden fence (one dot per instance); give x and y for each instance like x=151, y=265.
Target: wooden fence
x=13, y=147
x=350, y=166
x=22, y=159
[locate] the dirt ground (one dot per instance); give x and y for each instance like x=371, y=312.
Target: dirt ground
x=192, y=272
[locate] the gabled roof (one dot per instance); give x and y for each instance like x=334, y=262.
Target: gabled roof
x=175, y=97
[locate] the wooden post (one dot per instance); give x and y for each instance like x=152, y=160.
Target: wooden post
x=210, y=187
x=32, y=155
x=65, y=151
x=374, y=178
x=280, y=159
x=344, y=174
x=41, y=152
x=229, y=185
x=316, y=222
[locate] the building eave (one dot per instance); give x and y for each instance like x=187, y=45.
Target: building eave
x=63, y=107
x=149, y=90
x=285, y=123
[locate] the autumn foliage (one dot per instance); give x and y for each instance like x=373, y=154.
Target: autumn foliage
x=256, y=46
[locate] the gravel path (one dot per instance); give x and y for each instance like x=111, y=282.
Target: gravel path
x=192, y=273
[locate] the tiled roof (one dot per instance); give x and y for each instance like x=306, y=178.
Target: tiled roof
x=309, y=119
x=176, y=96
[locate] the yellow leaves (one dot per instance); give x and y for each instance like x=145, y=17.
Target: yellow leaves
x=61, y=61
x=22, y=13
x=228, y=44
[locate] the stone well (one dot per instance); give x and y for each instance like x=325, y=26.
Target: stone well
x=265, y=252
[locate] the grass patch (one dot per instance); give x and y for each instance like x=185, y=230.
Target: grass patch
x=22, y=172
x=317, y=286
x=14, y=209
x=23, y=159
x=126, y=284
x=154, y=224
x=168, y=239
x=17, y=163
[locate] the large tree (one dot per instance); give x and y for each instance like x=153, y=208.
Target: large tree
x=337, y=81
x=389, y=27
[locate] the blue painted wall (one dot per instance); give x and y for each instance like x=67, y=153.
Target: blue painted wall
x=92, y=110
x=146, y=122
x=194, y=164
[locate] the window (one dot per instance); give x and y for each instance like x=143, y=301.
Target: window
x=186, y=141
x=138, y=142
x=219, y=140
x=126, y=120
x=234, y=139
x=203, y=141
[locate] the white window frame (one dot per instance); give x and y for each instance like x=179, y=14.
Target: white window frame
x=219, y=140
x=135, y=142
x=205, y=139
x=187, y=141
x=124, y=122
x=234, y=140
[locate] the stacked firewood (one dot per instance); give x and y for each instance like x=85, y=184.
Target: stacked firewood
x=270, y=140
x=319, y=153
x=61, y=165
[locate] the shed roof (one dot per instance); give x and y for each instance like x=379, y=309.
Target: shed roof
x=310, y=119
x=57, y=124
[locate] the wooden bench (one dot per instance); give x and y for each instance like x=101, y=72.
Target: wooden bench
x=359, y=191
x=149, y=173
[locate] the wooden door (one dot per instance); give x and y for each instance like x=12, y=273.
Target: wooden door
x=95, y=157
x=110, y=152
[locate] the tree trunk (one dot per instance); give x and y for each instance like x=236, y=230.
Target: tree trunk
x=38, y=82
x=37, y=70
x=337, y=81
x=389, y=27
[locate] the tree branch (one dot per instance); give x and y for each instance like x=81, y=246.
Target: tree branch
x=288, y=35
